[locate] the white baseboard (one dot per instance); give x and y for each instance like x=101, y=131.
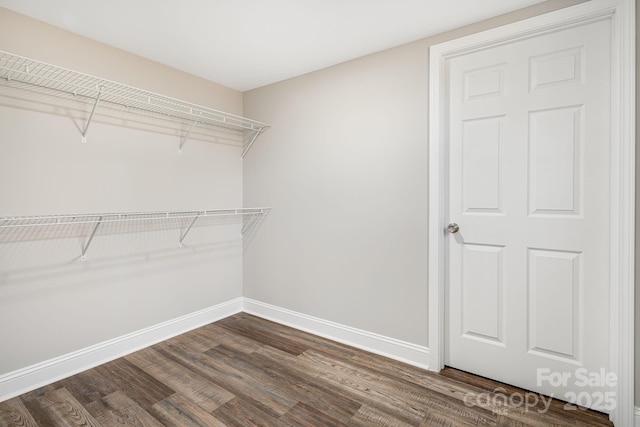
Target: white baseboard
x=32, y=377
x=40, y=374
x=390, y=347
x=637, y=418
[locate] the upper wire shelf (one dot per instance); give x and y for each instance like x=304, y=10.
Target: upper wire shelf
x=15, y=68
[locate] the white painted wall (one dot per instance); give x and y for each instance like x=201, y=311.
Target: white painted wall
x=51, y=303
x=344, y=168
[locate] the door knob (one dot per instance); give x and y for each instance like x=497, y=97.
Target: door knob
x=453, y=228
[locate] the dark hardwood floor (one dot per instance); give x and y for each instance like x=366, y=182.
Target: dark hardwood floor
x=246, y=371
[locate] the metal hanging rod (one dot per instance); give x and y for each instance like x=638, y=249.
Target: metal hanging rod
x=40, y=75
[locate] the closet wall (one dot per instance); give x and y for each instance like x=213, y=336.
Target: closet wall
x=52, y=303
x=344, y=168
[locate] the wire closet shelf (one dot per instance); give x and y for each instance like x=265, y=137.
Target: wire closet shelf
x=51, y=78
x=92, y=218
x=93, y=221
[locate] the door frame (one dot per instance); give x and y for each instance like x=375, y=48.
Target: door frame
x=621, y=14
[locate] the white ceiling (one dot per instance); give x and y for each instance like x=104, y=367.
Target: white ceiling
x=244, y=44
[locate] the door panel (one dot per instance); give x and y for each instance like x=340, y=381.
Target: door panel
x=529, y=166
x=555, y=161
x=482, y=185
x=555, y=283
x=482, y=291
x=554, y=69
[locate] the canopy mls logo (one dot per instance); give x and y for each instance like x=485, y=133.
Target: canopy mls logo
x=501, y=402
x=587, y=393
x=583, y=382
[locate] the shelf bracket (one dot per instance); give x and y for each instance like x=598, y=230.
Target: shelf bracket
x=188, y=229
x=249, y=224
x=253, y=140
x=186, y=136
x=93, y=110
x=93, y=233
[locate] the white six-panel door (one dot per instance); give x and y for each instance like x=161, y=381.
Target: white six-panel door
x=529, y=175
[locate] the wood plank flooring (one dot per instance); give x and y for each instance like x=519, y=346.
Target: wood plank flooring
x=246, y=371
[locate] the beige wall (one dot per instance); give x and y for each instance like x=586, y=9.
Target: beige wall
x=24, y=36
x=51, y=303
x=344, y=168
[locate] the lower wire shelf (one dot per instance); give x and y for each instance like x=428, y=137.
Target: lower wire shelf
x=18, y=228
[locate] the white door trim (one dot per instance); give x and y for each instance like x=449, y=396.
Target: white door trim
x=621, y=13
